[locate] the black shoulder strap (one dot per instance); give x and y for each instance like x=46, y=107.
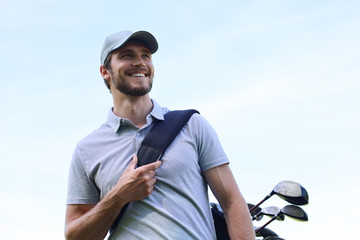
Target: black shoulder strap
x=157, y=140
x=162, y=134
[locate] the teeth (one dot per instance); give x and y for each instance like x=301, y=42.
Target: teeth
x=138, y=75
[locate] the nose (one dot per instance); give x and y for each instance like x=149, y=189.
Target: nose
x=138, y=61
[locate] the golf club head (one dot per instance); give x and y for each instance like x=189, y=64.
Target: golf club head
x=291, y=192
x=291, y=211
x=294, y=212
x=265, y=232
x=272, y=211
x=273, y=238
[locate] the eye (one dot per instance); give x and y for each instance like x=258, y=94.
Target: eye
x=147, y=56
x=127, y=55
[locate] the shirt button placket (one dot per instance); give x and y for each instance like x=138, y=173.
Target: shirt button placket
x=138, y=140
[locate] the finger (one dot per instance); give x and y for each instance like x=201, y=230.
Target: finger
x=151, y=166
x=151, y=174
x=148, y=175
x=152, y=182
x=149, y=187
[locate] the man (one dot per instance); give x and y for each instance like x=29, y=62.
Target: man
x=169, y=197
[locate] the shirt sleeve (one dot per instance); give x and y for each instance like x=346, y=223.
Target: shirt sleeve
x=211, y=153
x=81, y=190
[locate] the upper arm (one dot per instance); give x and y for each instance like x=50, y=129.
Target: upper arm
x=223, y=185
x=74, y=211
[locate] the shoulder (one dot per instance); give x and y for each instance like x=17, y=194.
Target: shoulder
x=199, y=128
x=95, y=136
x=199, y=121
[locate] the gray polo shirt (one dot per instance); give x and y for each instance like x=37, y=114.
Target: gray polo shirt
x=178, y=208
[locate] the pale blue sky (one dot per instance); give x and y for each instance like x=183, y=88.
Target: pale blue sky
x=278, y=80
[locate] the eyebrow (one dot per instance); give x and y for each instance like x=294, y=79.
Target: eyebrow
x=131, y=51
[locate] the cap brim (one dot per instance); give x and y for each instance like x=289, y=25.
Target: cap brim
x=145, y=37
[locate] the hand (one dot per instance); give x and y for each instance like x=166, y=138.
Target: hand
x=136, y=183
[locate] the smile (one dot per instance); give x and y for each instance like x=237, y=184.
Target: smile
x=137, y=75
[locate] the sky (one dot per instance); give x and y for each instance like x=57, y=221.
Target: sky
x=278, y=80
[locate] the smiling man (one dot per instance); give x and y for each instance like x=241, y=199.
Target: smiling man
x=169, y=198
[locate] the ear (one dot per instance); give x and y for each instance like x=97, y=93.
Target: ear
x=105, y=74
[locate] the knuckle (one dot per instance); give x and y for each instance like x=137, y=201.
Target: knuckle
x=144, y=179
x=140, y=171
x=149, y=190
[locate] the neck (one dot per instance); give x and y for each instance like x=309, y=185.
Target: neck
x=133, y=108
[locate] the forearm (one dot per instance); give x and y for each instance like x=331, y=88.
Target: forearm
x=95, y=223
x=225, y=189
x=238, y=222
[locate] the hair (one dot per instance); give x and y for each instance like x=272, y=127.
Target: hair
x=107, y=65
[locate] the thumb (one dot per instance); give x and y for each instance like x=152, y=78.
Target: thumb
x=133, y=162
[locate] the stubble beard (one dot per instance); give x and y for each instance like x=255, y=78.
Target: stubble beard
x=125, y=87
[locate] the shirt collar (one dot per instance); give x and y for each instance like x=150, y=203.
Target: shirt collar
x=115, y=121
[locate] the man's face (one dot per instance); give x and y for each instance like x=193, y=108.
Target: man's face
x=131, y=70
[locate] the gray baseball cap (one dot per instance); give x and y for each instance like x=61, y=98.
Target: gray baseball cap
x=116, y=40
